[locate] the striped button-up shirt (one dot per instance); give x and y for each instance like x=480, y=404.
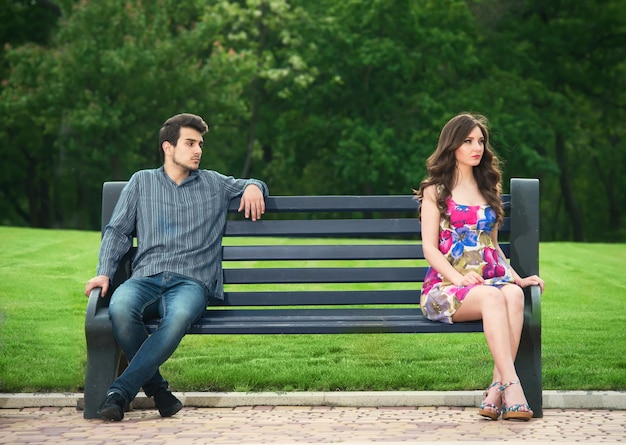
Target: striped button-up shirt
x=179, y=227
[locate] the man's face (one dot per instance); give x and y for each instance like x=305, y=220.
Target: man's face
x=188, y=149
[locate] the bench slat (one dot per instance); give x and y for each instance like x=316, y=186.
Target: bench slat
x=329, y=252
x=309, y=298
x=323, y=252
x=312, y=321
x=336, y=203
x=342, y=203
x=330, y=227
x=324, y=275
x=324, y=227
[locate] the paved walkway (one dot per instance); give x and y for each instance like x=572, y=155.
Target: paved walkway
x=315, y=417
x=301, y=425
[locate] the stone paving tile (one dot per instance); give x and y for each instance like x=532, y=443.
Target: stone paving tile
x=307, y=425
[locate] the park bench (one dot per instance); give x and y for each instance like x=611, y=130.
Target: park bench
x=331, y=228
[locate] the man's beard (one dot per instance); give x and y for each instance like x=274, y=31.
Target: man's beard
x=189, y=167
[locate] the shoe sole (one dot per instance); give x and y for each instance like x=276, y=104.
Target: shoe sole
x=488, y=414
x=517, y=416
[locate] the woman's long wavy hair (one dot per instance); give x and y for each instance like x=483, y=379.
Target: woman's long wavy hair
x=442, y=168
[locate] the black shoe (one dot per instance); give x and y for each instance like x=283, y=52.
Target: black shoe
x=113, y=407
x=166, y=403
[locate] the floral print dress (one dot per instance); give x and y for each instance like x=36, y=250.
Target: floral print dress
x=466, y=243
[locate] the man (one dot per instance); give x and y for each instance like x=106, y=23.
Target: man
x=178, y=213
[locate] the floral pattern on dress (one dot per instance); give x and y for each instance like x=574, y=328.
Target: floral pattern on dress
x=466, y=243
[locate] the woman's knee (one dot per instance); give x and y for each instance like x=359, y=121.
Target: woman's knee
x=493, y=301
x=513, y=297
x=480, y=301
x=488, y=296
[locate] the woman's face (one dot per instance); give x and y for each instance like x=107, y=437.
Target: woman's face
x=470, y=152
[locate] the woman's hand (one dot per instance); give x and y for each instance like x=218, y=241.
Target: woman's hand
x=470, y=279
x=533, y=280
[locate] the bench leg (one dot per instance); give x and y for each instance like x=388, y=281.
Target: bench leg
x=103, y=360
x=528, y=360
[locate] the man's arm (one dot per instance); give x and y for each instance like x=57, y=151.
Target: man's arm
x=116, y=239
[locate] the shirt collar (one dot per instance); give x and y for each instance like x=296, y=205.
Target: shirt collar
x=193, y=175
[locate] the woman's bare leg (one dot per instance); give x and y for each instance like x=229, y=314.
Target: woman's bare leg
x=514, y=301
x=502, y=323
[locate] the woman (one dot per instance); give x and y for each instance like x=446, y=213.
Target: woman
x=469, y=277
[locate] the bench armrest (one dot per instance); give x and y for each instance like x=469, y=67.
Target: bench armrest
x=103, y=353
x=96, y=302
x=533, y=306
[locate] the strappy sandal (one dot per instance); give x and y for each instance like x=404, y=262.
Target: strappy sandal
x=489, y=409
x=520, y=411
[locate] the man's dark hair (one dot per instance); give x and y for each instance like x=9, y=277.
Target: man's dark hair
x=170, y=131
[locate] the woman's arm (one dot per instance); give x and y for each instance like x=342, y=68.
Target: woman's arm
x=521, y=282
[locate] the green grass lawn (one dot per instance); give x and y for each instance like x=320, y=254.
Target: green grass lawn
x=42, y=346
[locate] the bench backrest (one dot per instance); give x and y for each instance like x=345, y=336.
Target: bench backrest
x=334, y=260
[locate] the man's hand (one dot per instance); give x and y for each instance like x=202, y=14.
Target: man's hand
x=253, y=202
x=99, y=281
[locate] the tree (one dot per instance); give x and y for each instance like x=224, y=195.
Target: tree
x=268, y=34
x=573, y=53
x=97, y=97
x=319, y=97
x=29, y=23
x=390, y=73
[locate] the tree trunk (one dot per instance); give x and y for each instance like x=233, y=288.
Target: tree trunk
x=247, y=166
x=571, y=206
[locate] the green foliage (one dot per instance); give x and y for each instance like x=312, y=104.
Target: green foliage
x=93, y=98
x=568, y=59
x=27, y=21
x=314, y=97
x=42, y=345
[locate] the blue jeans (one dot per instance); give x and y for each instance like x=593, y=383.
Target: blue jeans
x=178, y=300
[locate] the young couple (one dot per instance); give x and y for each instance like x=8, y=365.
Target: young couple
x=178, y=212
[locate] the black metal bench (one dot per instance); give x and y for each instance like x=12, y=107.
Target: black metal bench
x=339, y=227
